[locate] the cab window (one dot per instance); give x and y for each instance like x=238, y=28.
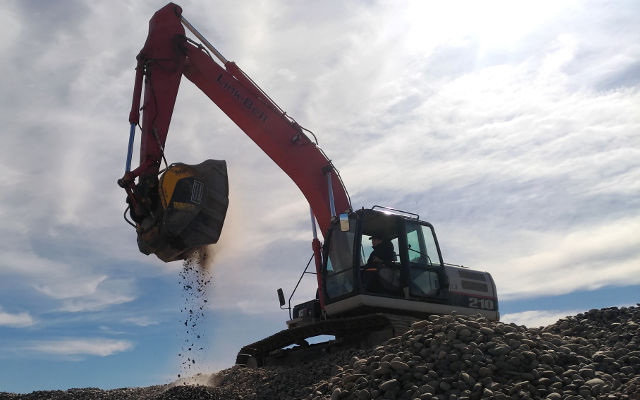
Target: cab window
x=424, y=261
x=339, y=273
x=421, y=245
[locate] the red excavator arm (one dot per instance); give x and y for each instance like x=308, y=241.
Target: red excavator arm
x=166, y=56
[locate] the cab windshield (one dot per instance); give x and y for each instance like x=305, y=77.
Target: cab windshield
x=339, y=268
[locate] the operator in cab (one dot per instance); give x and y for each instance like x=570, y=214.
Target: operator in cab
x=379, y=274
x=383, y=251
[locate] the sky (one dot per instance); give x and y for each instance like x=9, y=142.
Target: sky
x=513, y=127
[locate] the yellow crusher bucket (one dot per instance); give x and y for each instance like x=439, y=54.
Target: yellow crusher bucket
x=194, y=201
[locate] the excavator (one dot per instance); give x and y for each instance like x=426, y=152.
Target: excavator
x=379, y=269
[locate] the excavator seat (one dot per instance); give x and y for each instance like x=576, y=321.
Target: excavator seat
x=191, y=211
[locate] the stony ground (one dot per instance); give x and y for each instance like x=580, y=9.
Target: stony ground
x=595, y=355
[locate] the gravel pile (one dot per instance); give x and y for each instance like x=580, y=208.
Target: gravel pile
x=591, y=355
x=595, y=355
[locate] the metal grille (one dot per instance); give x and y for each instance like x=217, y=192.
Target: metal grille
x=476, y=276
x=477, y=286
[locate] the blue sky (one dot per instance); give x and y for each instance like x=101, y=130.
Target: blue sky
x=512, y=127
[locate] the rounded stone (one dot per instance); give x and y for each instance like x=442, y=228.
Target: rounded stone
x=388, y=385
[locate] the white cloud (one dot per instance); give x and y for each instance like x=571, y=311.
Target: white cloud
x=142, y=321
x=19, y=320
x=66, y=290
x=537, y=318
x=94, y=303
x=11, y=29
x=74, y=286
x=564, y=261
x=81, y=347
x=108, y=292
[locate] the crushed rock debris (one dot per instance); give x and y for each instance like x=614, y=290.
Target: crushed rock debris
x=592, y=355
x=195, y=279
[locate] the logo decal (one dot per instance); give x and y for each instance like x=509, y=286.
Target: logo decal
x=197, y=191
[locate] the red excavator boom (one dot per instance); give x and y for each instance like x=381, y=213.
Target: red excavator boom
x=166, y=56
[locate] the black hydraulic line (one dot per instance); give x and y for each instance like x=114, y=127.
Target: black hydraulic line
x=127, y=219
x=297, y=284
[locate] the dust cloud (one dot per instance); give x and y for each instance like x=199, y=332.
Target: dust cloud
x=199, y=379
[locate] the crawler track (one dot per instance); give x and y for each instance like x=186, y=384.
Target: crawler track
x=355, y=330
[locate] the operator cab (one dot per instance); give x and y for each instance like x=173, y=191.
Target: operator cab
x=384, y=260
x=413, y=269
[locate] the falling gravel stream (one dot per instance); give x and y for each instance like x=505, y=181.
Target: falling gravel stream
x=195, y=279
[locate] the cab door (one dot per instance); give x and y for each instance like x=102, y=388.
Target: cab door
x=427, y=278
